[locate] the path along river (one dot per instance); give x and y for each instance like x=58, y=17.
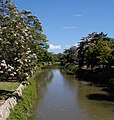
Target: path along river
x=62, y=97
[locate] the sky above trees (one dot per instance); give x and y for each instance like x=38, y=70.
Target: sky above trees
x=66, y=21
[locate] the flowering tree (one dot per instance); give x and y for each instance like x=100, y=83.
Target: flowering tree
x=21, y=42
x=95, y=49
x=84, y=47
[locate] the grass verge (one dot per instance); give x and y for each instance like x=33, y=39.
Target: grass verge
x=25, y=103
x=70, y=69
x=7, y=88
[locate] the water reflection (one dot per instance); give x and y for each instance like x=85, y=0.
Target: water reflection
x=97, y=109
x=62, y=97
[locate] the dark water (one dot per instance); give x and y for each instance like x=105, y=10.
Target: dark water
x=62, y=97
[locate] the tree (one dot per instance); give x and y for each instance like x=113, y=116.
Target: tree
x=21, y=41
x=100, y=53
x=87, y=54
x=70, y=56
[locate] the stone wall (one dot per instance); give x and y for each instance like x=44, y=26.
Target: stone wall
x=11, y=102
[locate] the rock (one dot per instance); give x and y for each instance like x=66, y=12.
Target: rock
x=10, y=102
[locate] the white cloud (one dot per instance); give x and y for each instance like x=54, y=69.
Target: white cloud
x=54, y=47
x=70, y=27
x=76, y=44
x=68, y=46
x=77, y=15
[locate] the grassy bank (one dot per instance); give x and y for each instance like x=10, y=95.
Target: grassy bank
x=70, y=69
x=6, y=89
x=23, y=108
x=25, y=104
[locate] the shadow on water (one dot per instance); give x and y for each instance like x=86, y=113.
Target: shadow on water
x=98, y=78
x=109, y=90
x=101, y=97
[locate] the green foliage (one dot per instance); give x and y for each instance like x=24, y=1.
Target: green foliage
x=22, y=44
x=70, y=56
x=95, y=49
x=94, y=55
x=70, y=68
x=100, y=52
x=111, y=82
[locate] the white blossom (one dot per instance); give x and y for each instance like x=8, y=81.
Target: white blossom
x=10, y=67
x=14, y=73
x=15, y=58
x=1, y=72
x=26, y=74
x=29, y=51
x=13, y=20
x=3, y=61
x=17, y=70
x=30, y=36
x=26, y=34
x=18, y=60
x=26, y=65
x=35, y=56
x=22, y=38
x=25, y=60
x=21, y=62
x=25, y=30
x=6, y=67
x=3, y=64
x=27, y=77
x=16, y=42
x=19, y=23
x=19, y=67
x=4, y=28
x=9, y=70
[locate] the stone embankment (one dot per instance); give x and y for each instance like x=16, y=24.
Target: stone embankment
x=11, y=102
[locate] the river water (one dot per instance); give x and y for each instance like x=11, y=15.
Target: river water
x=62, y=97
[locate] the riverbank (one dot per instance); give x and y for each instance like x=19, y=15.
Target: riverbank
x=25, y=103
x=102, y=78
x=70, y=69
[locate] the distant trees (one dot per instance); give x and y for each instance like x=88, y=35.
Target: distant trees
x=94, y=50
x=22, y=43
x=70, y=56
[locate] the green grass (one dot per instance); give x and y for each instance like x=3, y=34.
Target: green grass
x=25, y=103
x=7, y=88
x=71, y=69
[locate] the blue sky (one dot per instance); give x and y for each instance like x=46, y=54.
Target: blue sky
x=64, y=22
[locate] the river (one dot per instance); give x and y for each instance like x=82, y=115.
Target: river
x=62, y=97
